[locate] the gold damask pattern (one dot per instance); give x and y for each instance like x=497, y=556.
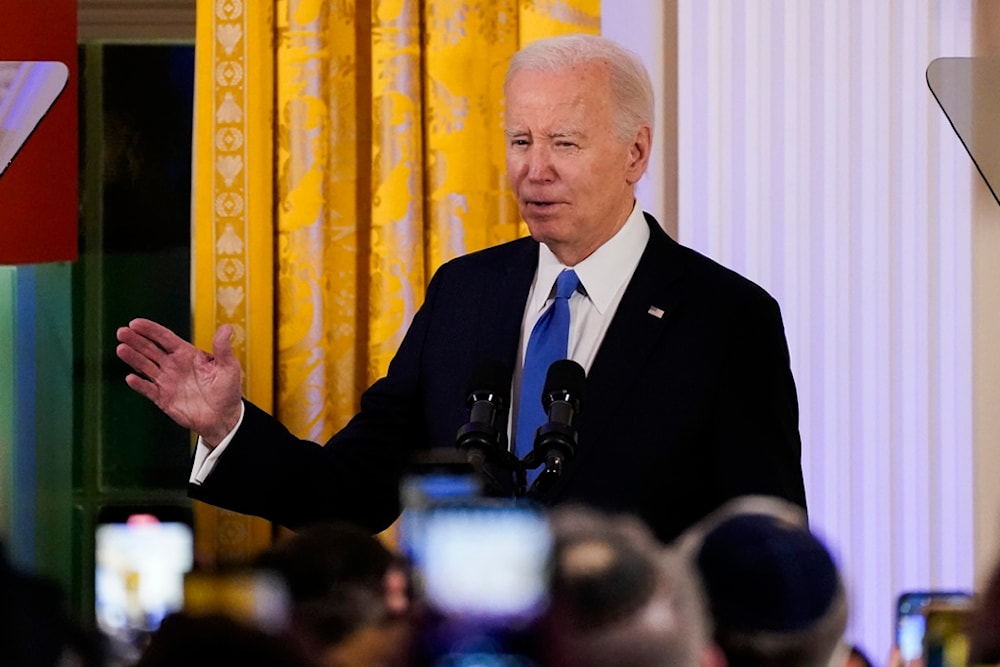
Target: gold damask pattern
x=396, y=254
x=545, y=18
x=333, y=190
x=317, y=217
x=232, y=247
x=468, y=203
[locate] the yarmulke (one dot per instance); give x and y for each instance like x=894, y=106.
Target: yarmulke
x=603, y=579
x=763, y=574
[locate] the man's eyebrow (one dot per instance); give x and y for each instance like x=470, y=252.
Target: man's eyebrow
x=553, y=134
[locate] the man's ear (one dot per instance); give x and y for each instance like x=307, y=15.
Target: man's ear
x=638, y=154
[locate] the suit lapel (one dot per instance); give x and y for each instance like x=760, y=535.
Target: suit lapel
x=632, y=336
x=643, y=314
x=505, y=294
x=638, y=324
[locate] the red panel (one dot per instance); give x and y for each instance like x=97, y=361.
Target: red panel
x=38, y=191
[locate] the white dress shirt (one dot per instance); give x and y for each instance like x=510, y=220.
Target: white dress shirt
x=603, y=278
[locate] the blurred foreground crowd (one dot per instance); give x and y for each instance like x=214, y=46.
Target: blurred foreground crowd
x=748, y=586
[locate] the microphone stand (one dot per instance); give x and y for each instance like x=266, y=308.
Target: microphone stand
x=481, y=439
x=555, y=444
x=556, y=439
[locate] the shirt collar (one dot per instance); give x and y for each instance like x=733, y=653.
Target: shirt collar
x=604, y=272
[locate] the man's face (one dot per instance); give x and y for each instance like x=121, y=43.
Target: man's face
x=573, y=177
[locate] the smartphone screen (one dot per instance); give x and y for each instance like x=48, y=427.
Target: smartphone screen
x=428, y=485
x=486, y=561
x=480, y=575
x=946, y=638
x=473, y=556
x=479, y=569
x=911, y=619
x=142, y=555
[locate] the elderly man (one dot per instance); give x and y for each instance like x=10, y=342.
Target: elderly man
x=688, y=399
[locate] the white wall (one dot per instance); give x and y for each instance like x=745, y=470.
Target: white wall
x=638, y=24
x=813, y=159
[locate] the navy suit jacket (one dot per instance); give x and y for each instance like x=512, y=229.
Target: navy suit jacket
x=683, y=410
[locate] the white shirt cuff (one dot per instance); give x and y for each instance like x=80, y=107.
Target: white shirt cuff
x=206, y=457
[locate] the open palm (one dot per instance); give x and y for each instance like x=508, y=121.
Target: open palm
x=200, y=391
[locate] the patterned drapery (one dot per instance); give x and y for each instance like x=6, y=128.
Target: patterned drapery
x=343, y=151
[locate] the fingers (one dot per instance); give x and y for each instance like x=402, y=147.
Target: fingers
x=147, y=346
x=141, y=386
x=166, y=339
x=139, y=361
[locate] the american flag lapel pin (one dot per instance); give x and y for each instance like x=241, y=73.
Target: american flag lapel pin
x=656, y=312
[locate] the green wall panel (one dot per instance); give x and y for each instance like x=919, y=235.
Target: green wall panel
x=36, y=417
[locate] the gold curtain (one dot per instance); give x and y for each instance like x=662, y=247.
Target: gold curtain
x=343, y=151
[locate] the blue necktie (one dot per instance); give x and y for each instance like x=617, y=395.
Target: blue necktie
x=548, y=343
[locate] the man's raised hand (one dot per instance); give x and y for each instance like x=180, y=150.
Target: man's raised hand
x=200, y=391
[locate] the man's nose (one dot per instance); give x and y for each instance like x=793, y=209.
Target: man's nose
x=540, y=167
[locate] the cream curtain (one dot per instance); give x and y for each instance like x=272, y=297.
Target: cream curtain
x=814, y=159
x=343, y=150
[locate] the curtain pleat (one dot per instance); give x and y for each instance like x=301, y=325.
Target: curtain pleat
x=317, y=217
x=396, y=248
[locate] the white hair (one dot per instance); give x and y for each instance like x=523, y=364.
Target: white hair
x=631, y=87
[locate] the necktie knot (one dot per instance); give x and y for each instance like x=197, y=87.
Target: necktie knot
x=566, y=284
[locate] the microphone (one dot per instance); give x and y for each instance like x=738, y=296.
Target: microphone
x=482, y=439
x=556, y=440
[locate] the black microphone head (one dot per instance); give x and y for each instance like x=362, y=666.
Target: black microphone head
x=490, y=377
x=564, y=378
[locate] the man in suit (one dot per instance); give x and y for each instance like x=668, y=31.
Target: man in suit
x=689, y=399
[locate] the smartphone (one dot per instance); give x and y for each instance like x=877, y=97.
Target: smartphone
x=911, y=619
x=946, y=637
x=142, y=555
x=432, y=481
x=480, y=576
x=473, y=556
x=479, y=569
x=486, y=560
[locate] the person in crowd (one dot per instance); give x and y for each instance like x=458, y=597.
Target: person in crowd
x=857, y=658
x=208, y=640
x=349, y=594
x=774, y=590
x=688, y=400
x=984, y=624
x=36, y=628
x=619, y=597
